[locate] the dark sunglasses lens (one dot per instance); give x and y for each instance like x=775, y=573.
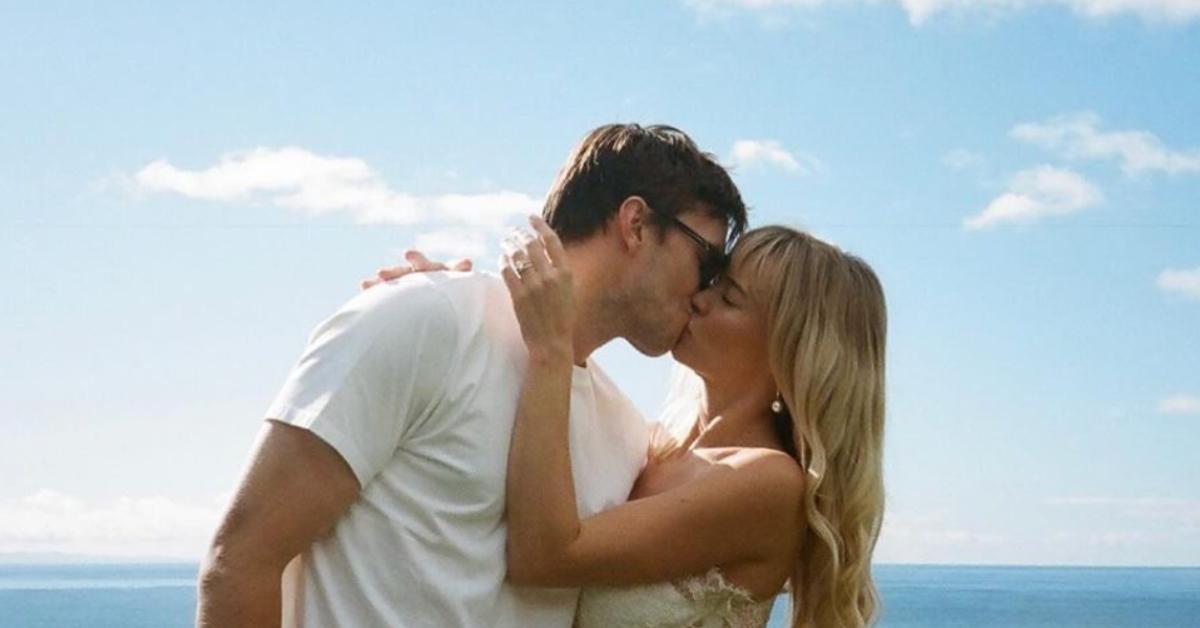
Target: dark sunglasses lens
x=710, y=270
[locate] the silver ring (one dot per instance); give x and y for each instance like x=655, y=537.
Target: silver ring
x=522, y=265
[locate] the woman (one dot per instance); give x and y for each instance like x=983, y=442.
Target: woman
x=771, y=475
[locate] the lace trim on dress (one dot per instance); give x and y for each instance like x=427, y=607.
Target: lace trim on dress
x=704, y=601
x=716, y=597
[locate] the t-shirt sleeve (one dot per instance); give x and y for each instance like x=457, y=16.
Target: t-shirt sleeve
x=372, y=373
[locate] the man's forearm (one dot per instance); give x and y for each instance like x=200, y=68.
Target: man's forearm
x=239, y=596
x=294, y=492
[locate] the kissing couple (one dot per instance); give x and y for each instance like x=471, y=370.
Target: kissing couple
x=447, y=453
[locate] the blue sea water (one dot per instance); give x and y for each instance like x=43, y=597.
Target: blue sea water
x=162, y=596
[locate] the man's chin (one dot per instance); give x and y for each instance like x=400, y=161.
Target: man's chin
x=650, y=350
x=682, y=339
x=654, y=347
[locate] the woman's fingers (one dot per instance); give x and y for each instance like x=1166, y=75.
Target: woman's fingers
x=517, y=252
x=395, y=272
x=553, y=246
x=417, y=260
x=417, y=263
x=535, y=252
x=385, y=274
x=543, y=251
x=511, y=279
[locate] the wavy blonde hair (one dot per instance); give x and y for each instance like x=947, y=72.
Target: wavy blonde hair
x=826, y=329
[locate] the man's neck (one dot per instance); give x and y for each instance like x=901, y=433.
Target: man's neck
x=593, y=318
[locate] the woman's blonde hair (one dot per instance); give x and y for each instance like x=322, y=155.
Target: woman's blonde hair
x=826, y=329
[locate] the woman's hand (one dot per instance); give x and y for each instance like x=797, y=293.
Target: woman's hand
x=417, y=263
x=539, y=279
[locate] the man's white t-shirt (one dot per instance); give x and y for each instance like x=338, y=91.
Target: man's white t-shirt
x=415, y=384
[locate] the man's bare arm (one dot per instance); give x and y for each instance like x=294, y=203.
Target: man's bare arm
x=294, y=491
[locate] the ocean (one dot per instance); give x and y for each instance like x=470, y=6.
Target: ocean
x=163, y=596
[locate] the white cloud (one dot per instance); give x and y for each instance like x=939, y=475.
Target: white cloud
x=919, y=11
x=494, y=210
x=1150, y=10
x=1184, y=282
x=1176, y=511
x=288, y=177
x=933, y=538
x=769, y=153
x=1079, y=136
x=1180, y=404
x=456, y=225
x=1178, y=11
x=298, y=179
x=49, y=521
x=1035, y=194
x=452, y=244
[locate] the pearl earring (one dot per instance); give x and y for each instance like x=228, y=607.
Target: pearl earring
x=777, y=405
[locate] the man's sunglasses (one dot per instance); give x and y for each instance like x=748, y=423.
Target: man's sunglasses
x=712, y=259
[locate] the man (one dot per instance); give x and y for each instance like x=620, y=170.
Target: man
x=375, y=495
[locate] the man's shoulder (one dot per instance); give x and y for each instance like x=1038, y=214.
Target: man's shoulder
x=606, y=387
x=459, y=286
x=476, y=305
x=444, y=293
x=435, y=307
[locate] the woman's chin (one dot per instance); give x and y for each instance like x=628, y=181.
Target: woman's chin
x=680, y=351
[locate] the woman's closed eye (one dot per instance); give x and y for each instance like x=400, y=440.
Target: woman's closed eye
x=728, y=291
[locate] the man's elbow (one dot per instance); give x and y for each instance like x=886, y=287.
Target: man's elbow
x=237, y=562
x=237, y=588
x=216, y=567
x=220, y=572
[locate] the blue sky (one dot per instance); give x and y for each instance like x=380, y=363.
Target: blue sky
x=185, y=191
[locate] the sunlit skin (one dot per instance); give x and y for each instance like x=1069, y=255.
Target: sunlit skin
x=659, y=291
x=733, y=463
x=731, y=499
x=653, y=304
x=726, y=338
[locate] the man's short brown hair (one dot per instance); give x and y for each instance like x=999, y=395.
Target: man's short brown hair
x=659, y=163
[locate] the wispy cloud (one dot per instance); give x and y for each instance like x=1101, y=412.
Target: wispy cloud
x=452, y=244
x=961, y=159
x=933, y=538
x=50, y=521
x=295, y=178
x=1185, y=282
x=1081, y=136
x=1035, y=194
x=751, y=154
x=1180, y=404
x=1185, y=512
x=920, y=11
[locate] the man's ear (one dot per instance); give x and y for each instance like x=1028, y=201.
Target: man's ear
x=633, y=222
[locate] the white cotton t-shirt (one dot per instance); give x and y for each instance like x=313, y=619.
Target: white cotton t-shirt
x=415, y=384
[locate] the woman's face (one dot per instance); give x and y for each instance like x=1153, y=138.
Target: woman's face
x=726, y=339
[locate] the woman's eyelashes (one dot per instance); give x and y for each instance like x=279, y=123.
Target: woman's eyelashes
x=725, y=290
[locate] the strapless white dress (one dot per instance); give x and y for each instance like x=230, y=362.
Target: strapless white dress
x=706, y=601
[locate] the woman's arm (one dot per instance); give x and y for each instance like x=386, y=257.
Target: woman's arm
x=746, y=509
x=541, y=508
